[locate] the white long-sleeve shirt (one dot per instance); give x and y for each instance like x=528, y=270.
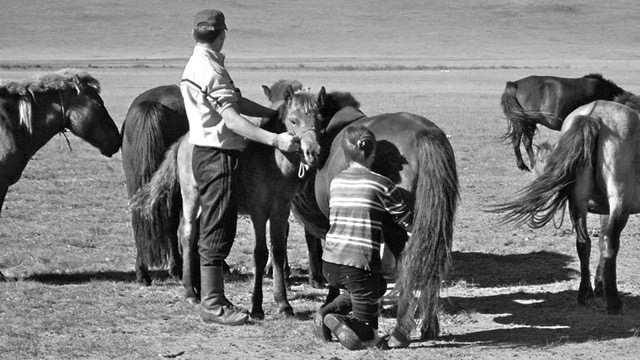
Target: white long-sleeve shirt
x=207, y=90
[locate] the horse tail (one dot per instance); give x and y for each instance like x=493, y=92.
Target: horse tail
x=148, y=140
x=145, y=124
x=427, y=256
x=158, y=203
x=573, y=155
x=519, y=121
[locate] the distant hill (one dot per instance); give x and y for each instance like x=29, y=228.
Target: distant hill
x=294, y=33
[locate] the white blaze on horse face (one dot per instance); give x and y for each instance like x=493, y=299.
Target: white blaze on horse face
x=302, y=125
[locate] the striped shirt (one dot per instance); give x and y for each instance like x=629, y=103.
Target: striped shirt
x=359, y=198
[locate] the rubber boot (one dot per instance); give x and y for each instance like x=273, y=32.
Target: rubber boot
x=214, y=306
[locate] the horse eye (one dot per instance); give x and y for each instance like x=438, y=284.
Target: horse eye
x=294, y=121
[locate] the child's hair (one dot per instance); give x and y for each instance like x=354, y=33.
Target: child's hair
x=358, y=143
x=206, y=36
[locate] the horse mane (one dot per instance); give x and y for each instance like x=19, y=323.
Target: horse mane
x=334, y=101
x=301, y=100
x=628, y=99
x=607, y=88
x=61, y=80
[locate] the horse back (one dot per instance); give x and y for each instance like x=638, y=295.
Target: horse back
x=560, y=96
x=396, y=153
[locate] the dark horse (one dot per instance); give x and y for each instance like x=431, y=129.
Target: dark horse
x=270, y=180
x=416, y=154
x=547, y=100
x=592, y=168
x=155, y=120
x=32, y=112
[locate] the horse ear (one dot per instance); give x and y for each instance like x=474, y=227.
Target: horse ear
x=266, y=91
x=288, y=93
x=322, y=94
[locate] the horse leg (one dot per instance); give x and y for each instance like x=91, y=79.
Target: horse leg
x=188, y=231
x=583, y=247
x=609, y=246
x=314, y=247
x=142, y=271
x=260, y=257
x=278, y=233
x=598, y=286
x=3, y=193
x=287, y=268
x=516, y=150
x=527, y=142
x=401, y=334
x=175, y=260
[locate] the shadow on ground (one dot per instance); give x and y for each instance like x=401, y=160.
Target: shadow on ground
x=489, y=270
x=543, y=319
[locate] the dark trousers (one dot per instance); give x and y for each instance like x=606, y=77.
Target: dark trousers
x=363, y=292
x=216, y=171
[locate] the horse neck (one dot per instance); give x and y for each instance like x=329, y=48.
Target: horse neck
x=288, y=163
x=47, y=120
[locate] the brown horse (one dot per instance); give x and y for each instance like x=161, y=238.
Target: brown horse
x=592, y=168
x=416, y=154
x=33, y=111
x=547, y=100
x=270, y=179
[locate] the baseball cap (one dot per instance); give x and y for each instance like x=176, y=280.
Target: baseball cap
x=209, y=20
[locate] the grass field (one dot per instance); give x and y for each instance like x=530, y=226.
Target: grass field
x=67, y=244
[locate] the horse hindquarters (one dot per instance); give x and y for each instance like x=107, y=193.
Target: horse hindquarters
x=521, y=125
x=427, y=256
x=576, y=150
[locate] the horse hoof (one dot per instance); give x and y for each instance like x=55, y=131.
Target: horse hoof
x=175, y=273
x=257, y=315
x=191, y=300
x=144, y=280
x=615, y=308
x=317, y=284
x=286, y=311
x=585, y=297
x=397, y=341
x=599, y=290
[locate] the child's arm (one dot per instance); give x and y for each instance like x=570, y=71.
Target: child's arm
x=397, y=208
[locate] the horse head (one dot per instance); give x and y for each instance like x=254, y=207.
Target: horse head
x=84, y=113
x=299, y=113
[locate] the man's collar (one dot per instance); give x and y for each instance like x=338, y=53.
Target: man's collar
x=214, y=55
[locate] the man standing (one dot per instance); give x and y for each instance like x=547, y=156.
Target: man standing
x=219, y=132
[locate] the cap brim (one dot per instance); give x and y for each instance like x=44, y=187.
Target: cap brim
x=210, y=28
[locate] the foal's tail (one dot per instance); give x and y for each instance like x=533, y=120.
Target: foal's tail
x=427, y=256
x=158, y=203
x=569, y=169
